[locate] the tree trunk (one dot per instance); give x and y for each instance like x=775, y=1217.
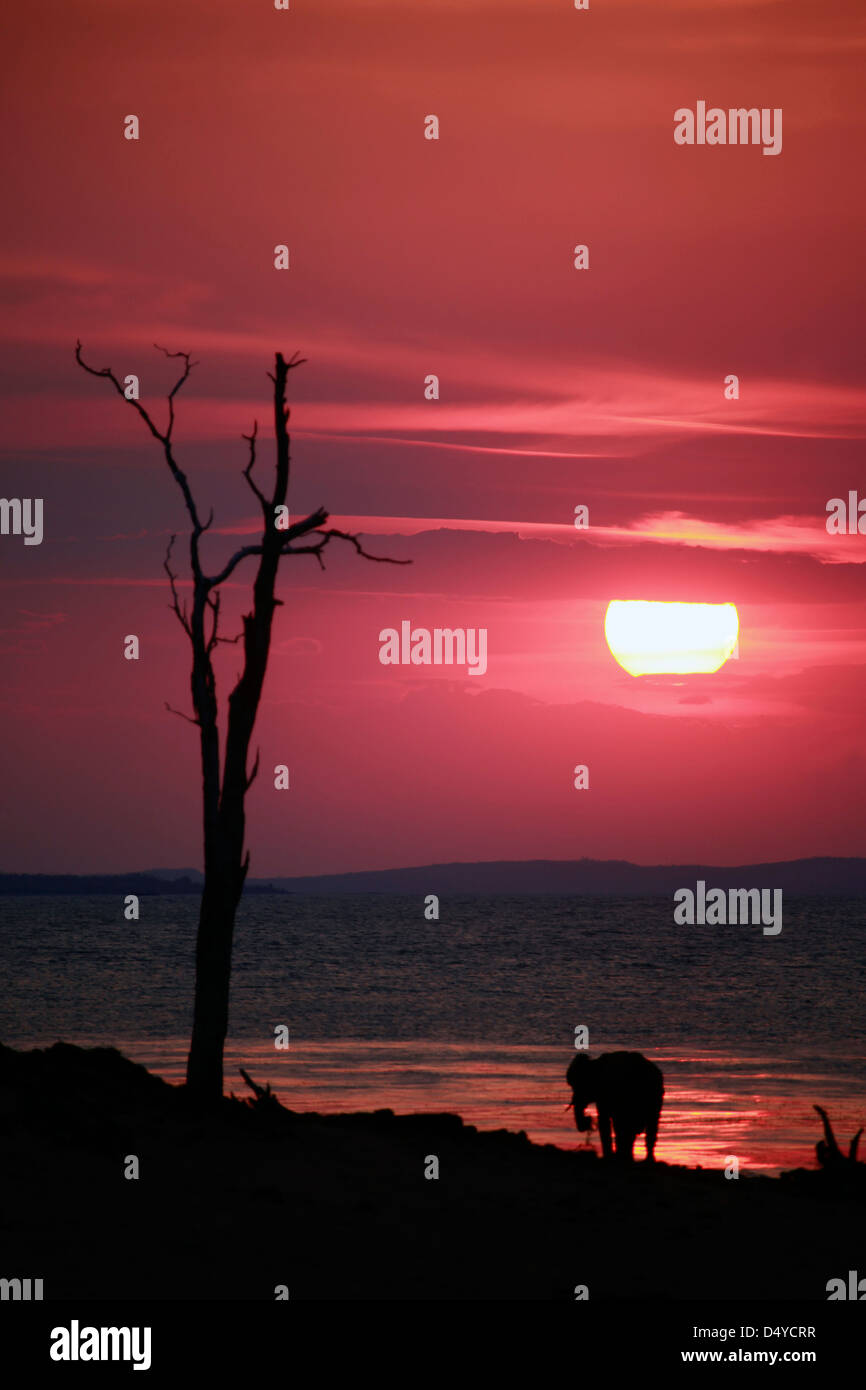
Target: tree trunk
x=224, y=814
x=204, y=1070
x=213, y=964
x=224, y=875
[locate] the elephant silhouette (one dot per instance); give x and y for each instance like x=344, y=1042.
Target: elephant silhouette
x=628, y=1091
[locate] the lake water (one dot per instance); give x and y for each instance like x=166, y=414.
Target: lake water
x=476, y=1013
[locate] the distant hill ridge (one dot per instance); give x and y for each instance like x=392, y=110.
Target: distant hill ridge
x=824, y=876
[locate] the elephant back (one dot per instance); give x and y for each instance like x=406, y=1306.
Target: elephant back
x=615, y=1071
x=632, y=1073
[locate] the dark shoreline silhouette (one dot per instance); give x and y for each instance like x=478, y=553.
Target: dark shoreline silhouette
x=237, y=1199
x=821, y=876
x=144, y=885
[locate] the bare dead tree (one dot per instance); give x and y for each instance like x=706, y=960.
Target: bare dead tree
x=224, y=788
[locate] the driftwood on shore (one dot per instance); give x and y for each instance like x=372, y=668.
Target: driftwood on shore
x=265, y=1098
x=830, y=1156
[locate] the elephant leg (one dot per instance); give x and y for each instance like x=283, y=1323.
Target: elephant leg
x=652, y=1130
x=604, y=1134
x=625, y=1138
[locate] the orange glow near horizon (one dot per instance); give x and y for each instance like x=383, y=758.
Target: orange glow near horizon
x=649, y=638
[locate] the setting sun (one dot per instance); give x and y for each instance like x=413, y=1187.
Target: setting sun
x=670, y=638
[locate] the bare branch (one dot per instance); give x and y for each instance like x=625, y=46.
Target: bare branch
x=247, y=472
x=378, y=559
x=310, y=550
x=294, y=361
x=175, y=604
x=233, y=564
x=188, y=366
x=164, y=438
x=214, y=605
x=253, y=774
x=301, y=528
x=188, y=717
x=313, y=522
x=333, y=533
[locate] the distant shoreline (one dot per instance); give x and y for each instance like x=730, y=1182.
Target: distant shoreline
x=813, y=877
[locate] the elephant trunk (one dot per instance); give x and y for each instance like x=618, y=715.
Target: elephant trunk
x=581, y=1119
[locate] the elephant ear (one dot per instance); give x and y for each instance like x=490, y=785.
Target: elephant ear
x=577, y=1070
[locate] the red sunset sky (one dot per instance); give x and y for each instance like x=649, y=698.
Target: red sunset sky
x=558, y=387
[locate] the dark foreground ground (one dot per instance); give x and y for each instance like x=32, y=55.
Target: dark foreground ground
x=233, y=1203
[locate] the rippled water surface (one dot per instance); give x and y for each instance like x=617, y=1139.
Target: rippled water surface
x=476, y=1012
